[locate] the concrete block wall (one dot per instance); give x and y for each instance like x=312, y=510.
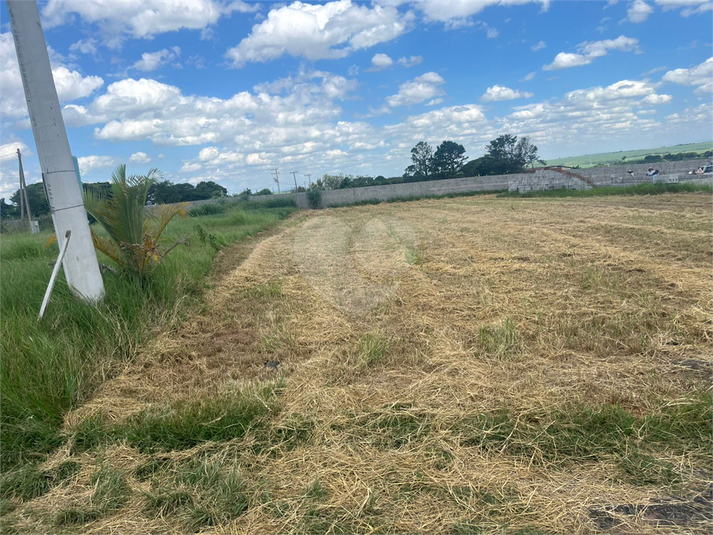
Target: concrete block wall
x=431, y=188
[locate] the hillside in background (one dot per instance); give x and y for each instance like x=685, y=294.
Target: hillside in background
x=622, y=157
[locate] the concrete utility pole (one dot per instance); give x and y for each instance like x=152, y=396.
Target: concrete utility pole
x=294, y=175
x=276, y=178
x=80, y=264
x=24, y=198
x=309, y=177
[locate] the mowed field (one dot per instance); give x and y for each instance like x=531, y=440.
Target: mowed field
x=467, y=365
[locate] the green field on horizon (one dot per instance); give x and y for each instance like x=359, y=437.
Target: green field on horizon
x=613, y=158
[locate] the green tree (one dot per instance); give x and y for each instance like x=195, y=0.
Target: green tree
x=449, y=159
x=38, y=200
x=330, y=181
x=133, y=232
x=527, y=152
x=207, y=190
x=8, y=211
x=422, y=158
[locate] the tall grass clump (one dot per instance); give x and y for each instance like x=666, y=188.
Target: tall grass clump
x=50, y=367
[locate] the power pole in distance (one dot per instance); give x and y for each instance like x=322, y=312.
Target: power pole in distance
x=64, y=195
x=276, y=178
x=294, y=175
x=309, y=177
x=24, y=199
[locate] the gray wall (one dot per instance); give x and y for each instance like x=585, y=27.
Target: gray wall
x=431, y=188
x=540, y=179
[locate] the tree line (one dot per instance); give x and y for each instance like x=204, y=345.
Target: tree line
x=504, y=155
x=162, y=192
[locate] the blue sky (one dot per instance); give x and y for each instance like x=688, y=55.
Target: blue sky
x=225, y=90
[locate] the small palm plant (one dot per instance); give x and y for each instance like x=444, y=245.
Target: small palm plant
x=133, y=232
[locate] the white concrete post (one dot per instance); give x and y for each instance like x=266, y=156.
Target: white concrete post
x=80, y=264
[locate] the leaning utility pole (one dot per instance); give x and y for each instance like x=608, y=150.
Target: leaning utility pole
x=276, y=178
x=24, y=199
x=64, y=195
x=294, y=175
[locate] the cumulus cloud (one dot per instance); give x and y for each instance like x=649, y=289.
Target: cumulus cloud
x=85, y=46
x=498, y=92
x=71, y=85
x=589, y=51
x=459, y=10
x=381, y=61
x=417, y=90
x=323, y=31
x=410, y=61
x=87, y=164
x=139, y=157
x=638, y=12
x=142, y=18
x=150, y=61
x=701, y=76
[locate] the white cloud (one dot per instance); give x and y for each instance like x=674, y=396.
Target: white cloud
x=538, y=46
x=142, y=18
x=588, y=51
x=417, y=90
x=701, y=75
x=528, y=77
x=638, y=12
x=411, y=61
x=70, y=84
x=688, y=7
x=657, y=99
x=492, y=33
x=448, y=10
x=87, y=164
x=85, y=46
x=332, y=30
x=134, y=96
x=139, y=157
x=381, y=61
x=565, y=60
x=150, y=61
x=498, y=92
x=8, y=151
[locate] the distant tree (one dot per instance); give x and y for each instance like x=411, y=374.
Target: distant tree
x=503, y=156
x=207, y=190
x=527, y=152
x=422, y=158
x=8, y=211
x=449, y=159
x=38, y=200
x=330, y=181
x=265, y=191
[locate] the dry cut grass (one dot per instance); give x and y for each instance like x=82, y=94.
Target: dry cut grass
x=474, y=365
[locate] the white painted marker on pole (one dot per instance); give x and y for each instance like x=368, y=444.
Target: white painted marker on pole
x=81, y=267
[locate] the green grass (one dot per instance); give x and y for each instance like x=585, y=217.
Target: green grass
x=52, y=366
x=111, y=491
x=636, y=189
x=199, y=492
x=585, y=433
x=185, y=423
